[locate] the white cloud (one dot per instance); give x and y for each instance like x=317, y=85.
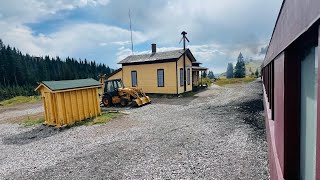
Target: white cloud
x=218, y=30
x=121, y=43
x=81, y=3
x=68, y=40
x=102, y=44
x=27, y=11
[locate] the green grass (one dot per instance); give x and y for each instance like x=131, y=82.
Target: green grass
x=224, y=81
x=20, y=100
x=188, y=94
x=32, y=121
x=37, y=119
x=103, y=118
x=206, y=81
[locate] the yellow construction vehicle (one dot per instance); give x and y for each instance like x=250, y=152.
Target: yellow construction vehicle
x=113, y=92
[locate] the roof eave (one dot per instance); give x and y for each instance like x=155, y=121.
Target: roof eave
x=40, y=85
x=192, y=59
x=113, y=73
x=152, y=62
x=77, y=88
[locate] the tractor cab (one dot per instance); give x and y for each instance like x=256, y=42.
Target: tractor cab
x=112, y=86
x=111, y=92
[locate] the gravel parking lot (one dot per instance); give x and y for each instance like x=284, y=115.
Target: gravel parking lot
x=217, y=134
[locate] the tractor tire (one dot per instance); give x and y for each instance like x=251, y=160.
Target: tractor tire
x=124, y=102
x=134, y=104
x=106, y=101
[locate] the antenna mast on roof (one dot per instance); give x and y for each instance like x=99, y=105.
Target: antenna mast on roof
x=184, y=38
x=131, y=31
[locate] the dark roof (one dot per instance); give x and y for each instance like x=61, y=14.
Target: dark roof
x=70, y=84
x=157, y=57
x=113, y=73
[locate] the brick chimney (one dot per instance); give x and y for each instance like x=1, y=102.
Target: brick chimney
x=154, y=48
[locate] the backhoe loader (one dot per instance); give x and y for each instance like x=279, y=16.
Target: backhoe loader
x=113, y=92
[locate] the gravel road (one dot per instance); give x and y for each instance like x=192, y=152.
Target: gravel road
x=217, y=134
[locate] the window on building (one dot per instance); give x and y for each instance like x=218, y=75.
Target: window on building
x=134, y=78
x=188, y=76
x=181, y=77
x=308, y=114
x=268, y=79
x=160, y=74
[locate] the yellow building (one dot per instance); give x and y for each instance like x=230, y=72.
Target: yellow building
x=69, y=101
x=170, y=72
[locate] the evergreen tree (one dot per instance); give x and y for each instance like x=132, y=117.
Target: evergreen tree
x=204, y=74
x=211, y=75
x=240, y=69
x=1, y=44
x=20, y=73
x=257, y=73
x=229, y=73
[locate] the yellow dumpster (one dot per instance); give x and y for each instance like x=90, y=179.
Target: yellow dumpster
x=69, y=101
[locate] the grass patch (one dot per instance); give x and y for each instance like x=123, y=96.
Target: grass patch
x=223, y=81
x=32, y=121
x=103, y=118
x=188, y=94
x=37, y=119
x=206, y=81
x=20, y=100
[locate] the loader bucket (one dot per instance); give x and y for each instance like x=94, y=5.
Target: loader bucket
x=137, y=102
x=145, y=100
x=141, y=101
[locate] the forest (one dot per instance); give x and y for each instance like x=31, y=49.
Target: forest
x=20, y=73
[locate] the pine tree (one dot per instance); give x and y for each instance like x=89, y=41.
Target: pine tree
x=257, y=73
x=229, y=73
x=240, y=69
x=1, y=44
x=20, y=73
x=211, y=75
x=204, y=74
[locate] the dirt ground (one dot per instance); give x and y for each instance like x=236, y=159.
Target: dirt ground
x=217, y=134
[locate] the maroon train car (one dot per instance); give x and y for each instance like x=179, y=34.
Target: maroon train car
x=292, y=92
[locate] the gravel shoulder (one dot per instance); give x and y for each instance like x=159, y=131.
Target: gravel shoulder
x=217, y=134
x=9, y=114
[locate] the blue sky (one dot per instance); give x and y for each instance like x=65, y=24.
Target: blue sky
x=99, y=29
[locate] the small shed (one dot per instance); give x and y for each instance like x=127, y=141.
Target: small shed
x=66, y=102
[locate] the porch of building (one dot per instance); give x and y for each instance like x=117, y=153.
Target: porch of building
x=197, y=80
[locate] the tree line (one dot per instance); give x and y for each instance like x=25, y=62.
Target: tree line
x=210, y=75
x=239, y=71
x=19, y=73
